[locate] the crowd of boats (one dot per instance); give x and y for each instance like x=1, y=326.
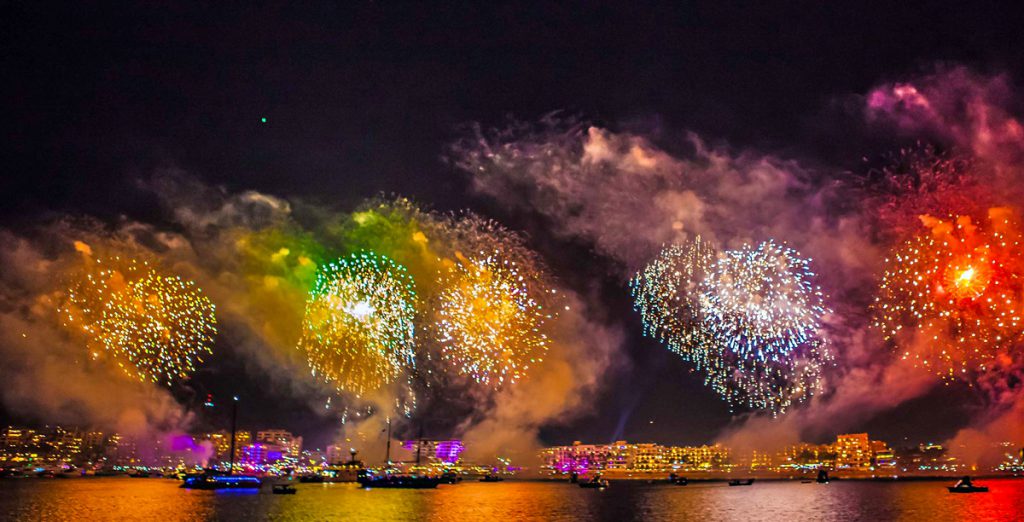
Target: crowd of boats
x=387, y=477
x=964, y=485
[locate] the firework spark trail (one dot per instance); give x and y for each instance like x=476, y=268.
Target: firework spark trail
x=358, y=333
x=772, y=386
x=949, y=299
x=490, y=323
x=749, y=319
x=155, y=327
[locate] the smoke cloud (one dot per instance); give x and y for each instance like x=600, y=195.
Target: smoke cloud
x=47, y=374
x=256, y=256
x=628, y=197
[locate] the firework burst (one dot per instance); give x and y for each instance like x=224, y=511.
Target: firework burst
x=950, y=298
x=491, y=320
x=154, y=326
x=760, y=302
x=666, y=294
x=358, y=331
x=749, y=319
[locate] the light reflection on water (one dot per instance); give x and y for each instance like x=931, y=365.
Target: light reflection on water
x=161, y=499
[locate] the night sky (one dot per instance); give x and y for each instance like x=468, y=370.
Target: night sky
x=363, y=98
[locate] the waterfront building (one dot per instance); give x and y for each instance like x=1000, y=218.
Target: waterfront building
x=806, y=456
x=1012, y=458
x=762, y=461
x=221, y=441
x=622, y=456
x=292, y=444
x=260, y=454
x=853, y=452
x=581, y=458
x=882, y=456
x=19, y=445
x=438, y=452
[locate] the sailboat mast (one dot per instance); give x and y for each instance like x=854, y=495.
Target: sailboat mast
x=387, y=451
x=234, y=422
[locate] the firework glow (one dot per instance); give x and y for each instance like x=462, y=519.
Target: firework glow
x=950, y=298
x=358, y=332
x=156, y=327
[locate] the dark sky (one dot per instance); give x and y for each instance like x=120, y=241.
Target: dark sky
x=362, y=97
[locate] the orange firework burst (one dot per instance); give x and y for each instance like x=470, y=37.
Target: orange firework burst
x=155, y=326
x=950, y=298
x=492, y=318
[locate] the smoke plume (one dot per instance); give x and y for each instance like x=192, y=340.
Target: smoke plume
x=627, y=196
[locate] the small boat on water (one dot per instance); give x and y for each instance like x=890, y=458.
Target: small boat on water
x=491, y=478
x=215, y=481
x=744, y=482
x=677, y=480
x=284, y=489
x=965, y=485
x=822, y=477
x=450, y=477
x=968, y=489
x=595, y=483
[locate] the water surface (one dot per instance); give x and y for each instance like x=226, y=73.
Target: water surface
x=161, y=499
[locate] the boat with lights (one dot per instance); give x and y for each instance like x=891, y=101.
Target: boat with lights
x=388, y=480
x=595, y=483
x=219, y=481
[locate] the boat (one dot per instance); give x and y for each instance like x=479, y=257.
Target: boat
x=965, y=485
x=215, y=481
x=284, y=489
x=677, y=480
x=744, y=482
x=967, y=489
x=491, y=478
x=368, y=481
x=450, y=477
x=311, y=479
x=595, y=483
x=822, y=477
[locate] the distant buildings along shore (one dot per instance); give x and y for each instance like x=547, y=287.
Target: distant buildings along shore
x=853, y=454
